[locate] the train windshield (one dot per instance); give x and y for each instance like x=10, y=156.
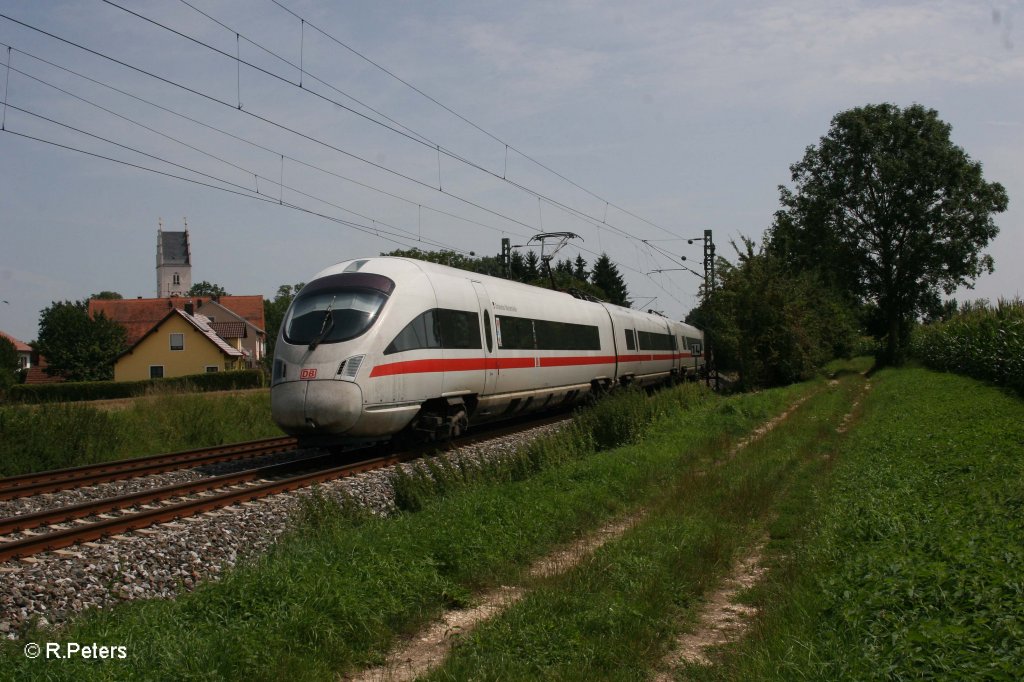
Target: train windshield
x=332, y=314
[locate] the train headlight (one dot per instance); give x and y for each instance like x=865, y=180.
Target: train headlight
x=348, y=369
x=280, y=371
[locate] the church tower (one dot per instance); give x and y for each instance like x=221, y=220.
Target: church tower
x=173, y=262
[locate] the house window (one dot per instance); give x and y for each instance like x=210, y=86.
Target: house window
x=177, y=279
x=156, y=371
x=212, y=368
x=177, y=341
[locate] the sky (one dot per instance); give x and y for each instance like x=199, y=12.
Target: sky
x=350, y=129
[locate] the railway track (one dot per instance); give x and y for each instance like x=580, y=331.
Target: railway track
x=91, y=474
x=91, y=520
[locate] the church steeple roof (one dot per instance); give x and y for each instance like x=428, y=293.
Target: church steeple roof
x=174, y=249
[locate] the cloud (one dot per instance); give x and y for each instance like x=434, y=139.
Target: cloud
x=530, y=73
x=789, y=53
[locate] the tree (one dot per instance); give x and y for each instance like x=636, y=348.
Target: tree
x=580, y=269
x=888, y=211
x=274, y=312
x=107, y=296
x=205, y=288
x=771, y=325
x=76, y=346
x=532, y=267
x=8, y=363
x=485, y=265
x=606, y=277
x=518, y=266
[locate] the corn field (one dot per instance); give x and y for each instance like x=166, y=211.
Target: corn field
x=982, y=341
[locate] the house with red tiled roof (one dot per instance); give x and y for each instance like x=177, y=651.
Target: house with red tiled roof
x=237, y=319
x=23, y=349
x=37, y=373
x=180, y=344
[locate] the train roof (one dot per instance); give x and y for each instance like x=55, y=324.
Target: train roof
x=395, y=266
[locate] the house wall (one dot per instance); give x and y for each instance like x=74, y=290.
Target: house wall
x=155, y=349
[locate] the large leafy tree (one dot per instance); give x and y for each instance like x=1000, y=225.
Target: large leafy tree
x=76, y=346
x=889, y=211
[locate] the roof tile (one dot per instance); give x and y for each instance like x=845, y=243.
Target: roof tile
x=139, y=315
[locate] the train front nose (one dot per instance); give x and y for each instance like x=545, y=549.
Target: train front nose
x=316, y=407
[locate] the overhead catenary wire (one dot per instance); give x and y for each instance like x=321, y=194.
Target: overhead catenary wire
x=310, y=137
x=232, y=187
x=271, y=122
x=257, y=145
x=246, y=194
x=481, y=129
x=411, y=135
x=7, y=84
x=581, y=215
x=247, y=171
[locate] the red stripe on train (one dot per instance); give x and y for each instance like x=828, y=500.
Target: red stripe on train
x=450, y=365
x=475, y=364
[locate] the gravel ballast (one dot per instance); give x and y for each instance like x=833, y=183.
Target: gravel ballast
x=161, y=561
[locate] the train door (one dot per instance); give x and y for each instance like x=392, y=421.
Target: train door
x=490, y=339
x=677, y=359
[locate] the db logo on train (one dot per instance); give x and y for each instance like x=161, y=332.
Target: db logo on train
x=306, y=374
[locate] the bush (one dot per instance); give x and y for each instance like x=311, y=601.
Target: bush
x=982, y=341
x=773, y=327
x=72, y=391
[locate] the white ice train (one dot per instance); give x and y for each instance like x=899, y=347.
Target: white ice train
x=378, y=346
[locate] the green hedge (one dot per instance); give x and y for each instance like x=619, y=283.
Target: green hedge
x=71, y=391
x=981, y=341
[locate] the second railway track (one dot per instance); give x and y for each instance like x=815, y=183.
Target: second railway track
x=26, y=485
x=287, y=476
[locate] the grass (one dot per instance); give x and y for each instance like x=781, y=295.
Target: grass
x=333, y=595
x=896, y=551
x=615, y=615
x=53, y=436
x=914, y=568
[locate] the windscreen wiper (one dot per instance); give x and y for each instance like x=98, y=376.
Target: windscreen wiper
x=325, y=327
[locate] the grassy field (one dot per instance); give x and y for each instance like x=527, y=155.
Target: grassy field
x=53, y=436
x=914, y=566
x=894, y=539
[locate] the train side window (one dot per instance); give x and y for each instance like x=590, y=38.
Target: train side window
x=516, y=333
x=553, y=335
x=630, y=340
x=459, y=328
x=487, y=330
x=654, y=341
x=422, y=332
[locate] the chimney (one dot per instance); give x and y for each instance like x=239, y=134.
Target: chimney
x=189, y=308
